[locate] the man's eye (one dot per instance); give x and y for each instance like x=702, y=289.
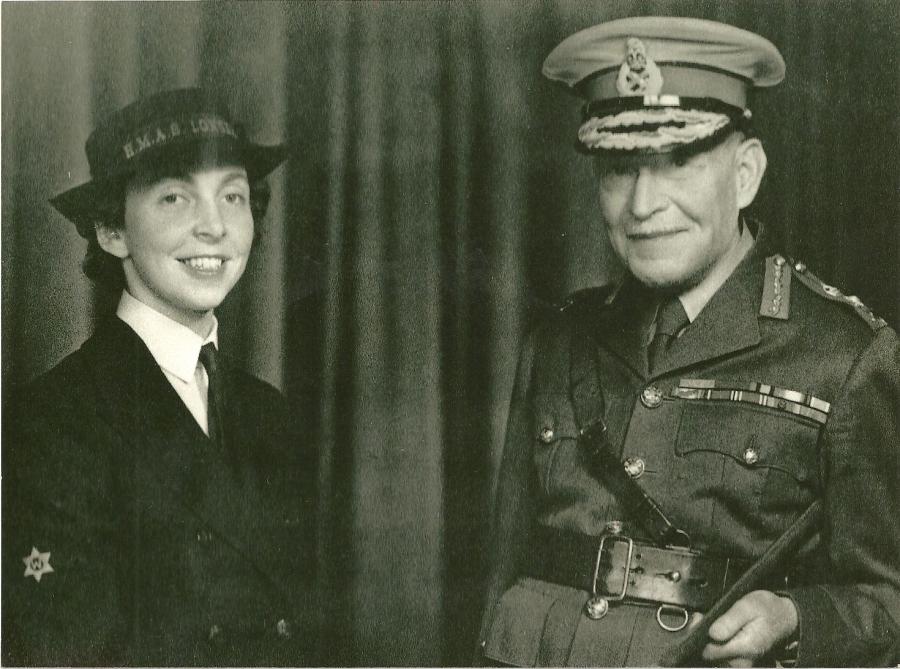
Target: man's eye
x=619, y=168
x=682, y=158
x=235, y=198
x=172, y=198
x=617, y=172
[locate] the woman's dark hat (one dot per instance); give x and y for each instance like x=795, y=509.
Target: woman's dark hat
x=176, y=127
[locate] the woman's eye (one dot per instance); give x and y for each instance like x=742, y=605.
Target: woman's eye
x=235, y=198
x=172, y=198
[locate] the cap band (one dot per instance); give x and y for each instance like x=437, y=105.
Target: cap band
x=179, y=129
x=677, y=79
x=616, y=105
x=196, y=125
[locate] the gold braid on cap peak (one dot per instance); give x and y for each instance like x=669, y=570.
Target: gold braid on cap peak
x=657, y=124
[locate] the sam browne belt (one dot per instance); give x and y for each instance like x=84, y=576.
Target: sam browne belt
x=616, y=568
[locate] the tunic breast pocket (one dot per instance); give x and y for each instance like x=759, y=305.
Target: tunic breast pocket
x=758, y=466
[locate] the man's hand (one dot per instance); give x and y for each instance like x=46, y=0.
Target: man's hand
x=757, y=623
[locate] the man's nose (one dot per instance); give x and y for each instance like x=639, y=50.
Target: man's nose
x=647, y=197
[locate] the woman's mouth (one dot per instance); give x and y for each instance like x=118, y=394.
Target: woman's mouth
x=203, y=263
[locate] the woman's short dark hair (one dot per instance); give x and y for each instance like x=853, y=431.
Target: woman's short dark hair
x=105, y=269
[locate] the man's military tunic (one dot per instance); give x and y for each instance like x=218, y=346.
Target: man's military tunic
x=781, y=391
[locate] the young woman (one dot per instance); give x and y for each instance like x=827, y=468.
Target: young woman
x=155, y=508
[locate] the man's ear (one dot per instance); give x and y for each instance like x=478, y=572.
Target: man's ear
x=751, y=161
x=111, y=240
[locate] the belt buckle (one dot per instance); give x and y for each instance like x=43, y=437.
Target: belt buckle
x=613, y=537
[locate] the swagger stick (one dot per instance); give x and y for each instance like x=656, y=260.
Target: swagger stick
x=685, y=653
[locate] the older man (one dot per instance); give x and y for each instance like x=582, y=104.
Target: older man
x=736, y=388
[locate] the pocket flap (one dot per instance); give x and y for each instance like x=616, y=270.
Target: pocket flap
x=553, y=419
x=752, y=437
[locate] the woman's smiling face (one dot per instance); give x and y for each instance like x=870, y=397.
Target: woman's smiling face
x=186, y=239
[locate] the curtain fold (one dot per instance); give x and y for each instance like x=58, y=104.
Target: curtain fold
x=432, y=204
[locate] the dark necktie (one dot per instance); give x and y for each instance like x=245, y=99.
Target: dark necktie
x=214, y=401
x=670, y=320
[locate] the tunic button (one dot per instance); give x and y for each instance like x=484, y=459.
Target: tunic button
x=634, y=467
x=800, y=267
x=204, y=536
x=215, y=632
x=547, y=435
x=283, y=628
x=614, y=527
x=751, y=455
x=651, y=397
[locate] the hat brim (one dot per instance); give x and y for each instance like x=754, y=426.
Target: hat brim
x=79, y=204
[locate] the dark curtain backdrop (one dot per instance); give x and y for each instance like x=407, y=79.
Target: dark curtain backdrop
x=433, y=199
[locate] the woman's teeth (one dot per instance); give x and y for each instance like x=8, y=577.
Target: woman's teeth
x=204, y=264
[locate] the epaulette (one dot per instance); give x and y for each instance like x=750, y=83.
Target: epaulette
x=776, y=292
x=590, y=298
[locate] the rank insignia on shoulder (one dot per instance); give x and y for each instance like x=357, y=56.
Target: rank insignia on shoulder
x=37, y=564
x=819, y=287
x=776, y=299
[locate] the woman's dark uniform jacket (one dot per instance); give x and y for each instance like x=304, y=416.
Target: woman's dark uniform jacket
x=163, y=550
x=732, y=473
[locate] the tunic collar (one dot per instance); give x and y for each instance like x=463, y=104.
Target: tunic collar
x=727, y=322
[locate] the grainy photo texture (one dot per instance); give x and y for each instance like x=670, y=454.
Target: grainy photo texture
x=312, y=314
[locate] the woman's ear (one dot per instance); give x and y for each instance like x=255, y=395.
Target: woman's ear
x=751, y=165
x=111, y=240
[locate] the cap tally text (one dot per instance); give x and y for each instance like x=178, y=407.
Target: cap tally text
x=202, y=125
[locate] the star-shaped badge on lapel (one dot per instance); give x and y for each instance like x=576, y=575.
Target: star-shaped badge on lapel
x=37, y=564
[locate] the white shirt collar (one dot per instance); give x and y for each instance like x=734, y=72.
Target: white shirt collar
x=174, y=346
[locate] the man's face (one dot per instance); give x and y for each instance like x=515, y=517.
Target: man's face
x=671, y=220
x=187, y=237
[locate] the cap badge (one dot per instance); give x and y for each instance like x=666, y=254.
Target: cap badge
x=37, y=564
x=638, y=75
